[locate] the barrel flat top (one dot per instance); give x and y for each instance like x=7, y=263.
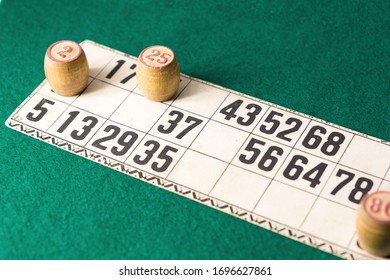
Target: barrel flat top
x=64, y=51
x=377, y=206
x=156, y=56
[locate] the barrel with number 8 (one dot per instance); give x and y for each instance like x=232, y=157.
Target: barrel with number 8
x=373, y=224
x=158, y=73
x=66, y=68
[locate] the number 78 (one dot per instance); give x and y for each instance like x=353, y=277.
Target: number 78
x=362, y=186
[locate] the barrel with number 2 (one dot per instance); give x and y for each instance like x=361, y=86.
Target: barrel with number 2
x=158, y=73
x=66, y=68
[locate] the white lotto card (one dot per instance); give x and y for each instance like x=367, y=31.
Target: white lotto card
x=290, y=173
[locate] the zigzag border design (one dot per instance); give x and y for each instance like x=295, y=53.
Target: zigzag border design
x=186, y=192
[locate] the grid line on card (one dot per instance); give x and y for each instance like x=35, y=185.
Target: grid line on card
x=239, y=149
x=178, y=94
x=305, y=191
x=281, y=165
x=113, y=112
x=321, y=155
x=319, y=194
x=338, y=162
x=69, y=105
x=29, y=97
x=114, y=85
x=218, y=121
x=86, y=110
x=101, y=70
x=384, y=177
x=200, y=131
x=209, y=118
x=386, y=173
x=106, y=119
x=151, y=127
x=364, y=172
x=16, y=116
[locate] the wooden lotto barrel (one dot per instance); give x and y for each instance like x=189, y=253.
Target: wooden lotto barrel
x=373, y=224
x=66, y=68
x=158, y=73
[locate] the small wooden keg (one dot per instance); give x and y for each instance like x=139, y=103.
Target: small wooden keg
x=373, y=224
x=66, y=68
x=158, y=73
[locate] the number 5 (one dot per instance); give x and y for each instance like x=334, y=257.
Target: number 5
x=39, y=107
x=165, y=157
x=163, y=58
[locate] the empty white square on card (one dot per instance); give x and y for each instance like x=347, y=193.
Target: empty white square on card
x=200, y=99
x=139, y=113
x=197, y=171
x=219, y=140
x=331, y=221
x=101, y=99
x=285, y=204
x=240, y=187
x=368, y=156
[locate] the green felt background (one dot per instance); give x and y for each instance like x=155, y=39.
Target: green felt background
x=329, y=59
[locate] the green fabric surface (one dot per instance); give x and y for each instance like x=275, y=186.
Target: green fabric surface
x=329, y=59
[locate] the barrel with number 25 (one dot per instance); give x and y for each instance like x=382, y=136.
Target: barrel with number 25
x=158, y=73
